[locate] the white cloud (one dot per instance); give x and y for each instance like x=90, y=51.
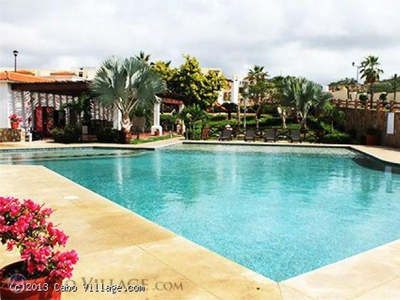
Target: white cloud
x=315, y=39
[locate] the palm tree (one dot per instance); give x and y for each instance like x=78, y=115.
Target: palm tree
x=191, y=115
x=256, y=74
x=304, y=95
x=258, y=88
x=127, y=84
x=394, y=83
x=370, y=72
x=81, y=108
x=143, y=56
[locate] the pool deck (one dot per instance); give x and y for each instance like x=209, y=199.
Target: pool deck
x=117, y=245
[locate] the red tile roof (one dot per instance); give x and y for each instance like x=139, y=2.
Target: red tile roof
x=22, y=76
x=62, y=73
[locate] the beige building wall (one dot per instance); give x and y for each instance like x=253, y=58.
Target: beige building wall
x=342, y=95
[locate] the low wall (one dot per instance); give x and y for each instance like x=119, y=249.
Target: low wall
x=10, y=135
x=359, y=120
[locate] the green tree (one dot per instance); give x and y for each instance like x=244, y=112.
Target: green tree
x=304, y=95
x=230, y=107
x=81, y=108
x=279, y=82
x=394, y=83
x=260, y=90
x=333, y=115
x=190, y=81
x=370, y=72
x=127, y=84
x=256, y=74
x=191, y=115
x=165, y=70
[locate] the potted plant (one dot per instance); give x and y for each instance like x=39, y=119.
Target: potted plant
x=363, y=99
x=39, y=275
x=15, y=120
x=383, y=99
x=371, y=137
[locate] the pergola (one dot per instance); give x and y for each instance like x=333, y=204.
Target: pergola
x=26, y=96
x=67, y=88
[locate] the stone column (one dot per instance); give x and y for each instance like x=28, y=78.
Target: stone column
x=156, y=120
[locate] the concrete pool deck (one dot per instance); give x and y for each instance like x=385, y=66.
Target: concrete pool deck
x=116, y=244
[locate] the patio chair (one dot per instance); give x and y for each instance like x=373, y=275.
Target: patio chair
x=270, y=136
x=295, y=136
x=226, y=135
x=250, y=135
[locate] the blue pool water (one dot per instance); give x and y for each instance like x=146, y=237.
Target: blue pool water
x=279, y=211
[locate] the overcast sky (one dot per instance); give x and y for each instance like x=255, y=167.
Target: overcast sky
x=317, y=39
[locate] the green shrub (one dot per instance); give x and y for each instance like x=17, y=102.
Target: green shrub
x=217, y=118
x=67, y=135
x=271, y=109
x=337, y=138
x=315, y=123
x=109, y=135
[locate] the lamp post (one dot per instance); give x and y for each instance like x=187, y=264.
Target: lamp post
x=358, y=68
x=246, y=92
x=15, y=52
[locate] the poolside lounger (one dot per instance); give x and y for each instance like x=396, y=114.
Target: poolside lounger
x=250, y=135
x=226, y=135
x=270, y=136
x=295, y=135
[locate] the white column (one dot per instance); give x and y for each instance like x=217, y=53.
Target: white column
x=117, y=118
x=156, y=120
x=6, y=97
x=235, y=90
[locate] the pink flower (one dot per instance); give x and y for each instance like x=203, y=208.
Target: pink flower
x=15, y=118
x=24, y=225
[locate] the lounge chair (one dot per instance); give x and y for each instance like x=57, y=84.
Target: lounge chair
x=250, y=135
x=226, y=135
x=295, y=136
x=270, y=136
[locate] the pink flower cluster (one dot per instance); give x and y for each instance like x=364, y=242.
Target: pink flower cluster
x=24, y=225
x=15, y=118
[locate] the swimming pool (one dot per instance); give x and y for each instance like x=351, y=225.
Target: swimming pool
x=276, y=210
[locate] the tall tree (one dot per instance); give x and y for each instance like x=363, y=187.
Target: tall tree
x=394, y=82
x=189, y=80
x=81, y=108
x=192, y=115
x=259, y=89
x=256, y=74
x=279, y=82
x=304, y=95
x=127, y=84
x=370, y=72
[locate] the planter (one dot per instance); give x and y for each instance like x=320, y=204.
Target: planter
x=32, y=289
x=14, y=125
x=370, y=140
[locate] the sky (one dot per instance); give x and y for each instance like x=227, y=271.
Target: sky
x=316, y=39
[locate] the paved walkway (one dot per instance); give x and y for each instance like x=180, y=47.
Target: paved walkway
x=117, y=246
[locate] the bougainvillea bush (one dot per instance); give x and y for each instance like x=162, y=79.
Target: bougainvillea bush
x=24, y=225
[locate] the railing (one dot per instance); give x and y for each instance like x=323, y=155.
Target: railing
x=313, y=136
x=391, y=106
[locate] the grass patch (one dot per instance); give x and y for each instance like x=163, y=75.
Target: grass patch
x=152, y=139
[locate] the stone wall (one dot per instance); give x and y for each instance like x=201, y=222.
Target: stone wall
x=359, y=120
x=10, y=135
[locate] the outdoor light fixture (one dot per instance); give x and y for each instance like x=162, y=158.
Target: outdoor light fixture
x=15, y=52
x=358, y=67
x=246, y=92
